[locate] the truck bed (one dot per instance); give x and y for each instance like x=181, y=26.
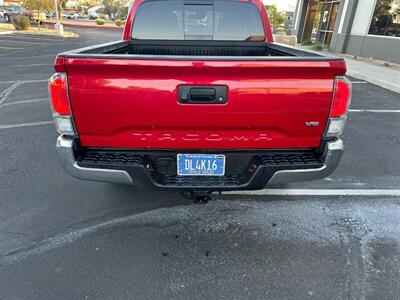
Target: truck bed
x=203, y=49
x=126, y=94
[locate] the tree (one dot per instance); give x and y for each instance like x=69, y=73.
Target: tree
x=276, y=18
x=115, y=8
x=84, y=5
x=61, y=6
x=37, y=7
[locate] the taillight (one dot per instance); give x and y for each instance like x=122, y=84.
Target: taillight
x=340, y=105
x=341, y=97
x=58, y=89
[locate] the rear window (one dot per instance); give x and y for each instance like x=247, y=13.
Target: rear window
x=221, y=21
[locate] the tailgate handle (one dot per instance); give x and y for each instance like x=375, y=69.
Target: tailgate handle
x=202, y=94
x=195, y=94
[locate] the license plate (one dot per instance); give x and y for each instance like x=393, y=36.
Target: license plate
x=201, y=164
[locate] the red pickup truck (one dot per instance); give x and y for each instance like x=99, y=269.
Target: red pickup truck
x=198, y=97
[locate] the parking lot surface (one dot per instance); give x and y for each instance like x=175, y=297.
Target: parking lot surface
x=61, y=238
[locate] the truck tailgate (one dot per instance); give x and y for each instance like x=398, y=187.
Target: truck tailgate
x=133, y=103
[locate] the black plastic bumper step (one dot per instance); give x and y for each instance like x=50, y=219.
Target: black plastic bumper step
x=306, y=159
x=159, y=167
x=93, y=157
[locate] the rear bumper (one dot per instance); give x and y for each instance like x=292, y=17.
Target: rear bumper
x=332, y=155
x=138, y=171
x=66, y=153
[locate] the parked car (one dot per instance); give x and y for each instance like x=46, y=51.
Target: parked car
x=18, y=10
x=94, y=15
x=202, y=103
x=14, y=10
x=70, y=16
x=97, y=12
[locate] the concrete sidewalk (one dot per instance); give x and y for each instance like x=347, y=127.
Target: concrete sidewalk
x=378, y=75
x=370, y=70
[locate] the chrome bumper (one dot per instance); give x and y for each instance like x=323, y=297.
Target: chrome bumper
x=66, y=154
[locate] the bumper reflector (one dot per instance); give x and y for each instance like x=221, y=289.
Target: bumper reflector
x=336, y=126
x=64, y=125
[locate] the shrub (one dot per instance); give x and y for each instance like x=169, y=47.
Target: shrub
x=386, y=64
x=307, y=43
x=100, y=21
x=21, y=22
x=119, y=22
x=318, y=47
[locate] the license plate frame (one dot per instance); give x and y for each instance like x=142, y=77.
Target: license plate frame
x=199, y=164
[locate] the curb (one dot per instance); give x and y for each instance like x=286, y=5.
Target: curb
x=379, y=82
x=88, y=25
x=49, y=34
x=39, y=33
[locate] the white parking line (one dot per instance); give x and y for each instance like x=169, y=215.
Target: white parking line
x=26, y=36
x=376, y=110
x=21, y=42
x=25, y=81
x=319, y=192
x=26, y=101
x=27, y=57
x=4, y=94
x=33, y=65
x=358, y=82
x=25, y=125
x=12, y=48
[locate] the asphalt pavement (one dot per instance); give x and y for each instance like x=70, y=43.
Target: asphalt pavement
x=61, y=238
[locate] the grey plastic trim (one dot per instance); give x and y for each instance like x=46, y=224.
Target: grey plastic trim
x=91, y=52
x=65, y=153
x=193, y=57
x=333, y=153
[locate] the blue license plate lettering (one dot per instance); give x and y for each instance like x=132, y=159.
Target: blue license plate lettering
x=201, y=164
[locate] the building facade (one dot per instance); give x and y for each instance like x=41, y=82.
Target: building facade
x=368, y=28
x=9, y=2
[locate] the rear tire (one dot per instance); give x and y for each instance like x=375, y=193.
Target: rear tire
x=7, y=18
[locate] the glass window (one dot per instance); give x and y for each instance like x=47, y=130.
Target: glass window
x=173, y=20
x=386, y=18
x=199, y=21
x=237, y=21
x=159, y=20
x=15, y=9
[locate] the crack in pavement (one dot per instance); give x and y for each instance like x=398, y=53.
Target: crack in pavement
x=59, y=240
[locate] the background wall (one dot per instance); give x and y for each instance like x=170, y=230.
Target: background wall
x=353, y=38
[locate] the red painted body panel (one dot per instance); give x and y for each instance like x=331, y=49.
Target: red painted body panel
x=126, y=103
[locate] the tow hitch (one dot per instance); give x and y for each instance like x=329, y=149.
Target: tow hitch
x=198, y=197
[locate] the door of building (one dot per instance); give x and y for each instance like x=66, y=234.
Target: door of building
x=327, y=20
